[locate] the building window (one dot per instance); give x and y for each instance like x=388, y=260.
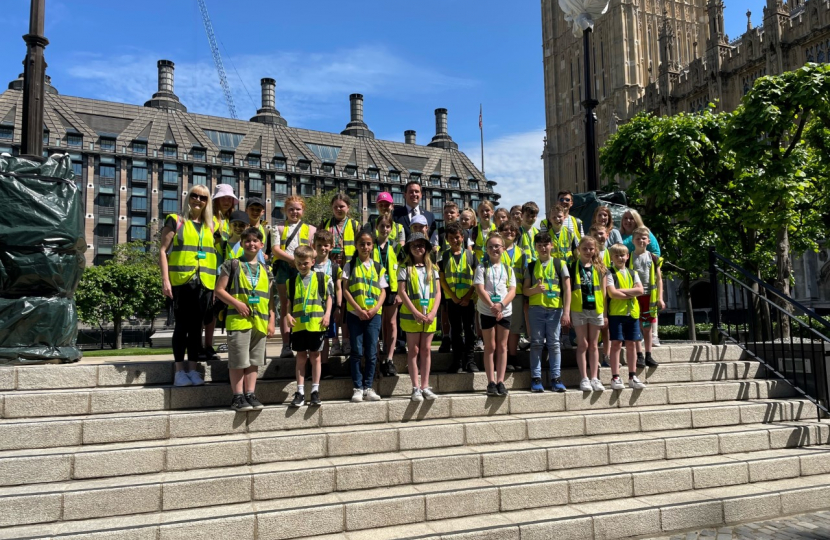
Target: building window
x=228, y=177
x=170, y=201
x=279, y=164
x=140, y=148
x=198, y=155
x=372, y=174
x=74, y=140
x=107, y=145
x=328, y=168
x=253, y=161
x=138, y=199
x=106, y=200
x=303, y=164
x=45, y=137
x=8, y=132
x=139, y=171
x=473, y=184
x=350, y=171
x=277, y=213
x=435, y=180
x=78, y=168
x=474, y=204
x=199, y=176
x=170, y=174
x=106, y=171
x=138, y=228
x=398, y=198
x=170, y=152
x=437, y=202
x=225, y=157
x=254, y=183
x=307, y=189
x=415, y=178
x=325, y=153
x=224, y=139
x=280, y=184
x=455, y=183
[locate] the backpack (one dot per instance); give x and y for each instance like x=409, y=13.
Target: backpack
x=321, y=286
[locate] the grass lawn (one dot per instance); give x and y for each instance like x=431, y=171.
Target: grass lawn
x=136, y=351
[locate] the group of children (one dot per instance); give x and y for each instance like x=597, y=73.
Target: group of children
x=496, y=277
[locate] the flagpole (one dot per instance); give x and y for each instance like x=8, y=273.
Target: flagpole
x=481, y=129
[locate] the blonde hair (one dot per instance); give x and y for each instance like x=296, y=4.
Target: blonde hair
x=485, y=204
x=641, y=231
x=303, y=252
x=207, y=211
x=502, y=213
x=596, y=260
x=603, y=210
x=618, y=249
x=473, y=217
x=637, y=219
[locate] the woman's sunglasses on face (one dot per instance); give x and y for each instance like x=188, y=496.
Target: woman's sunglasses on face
x=203, y=198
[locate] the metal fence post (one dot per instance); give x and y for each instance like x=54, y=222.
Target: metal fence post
x=714, y=335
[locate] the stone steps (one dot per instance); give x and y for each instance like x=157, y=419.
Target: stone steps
x=140, y=373
x=113, y=451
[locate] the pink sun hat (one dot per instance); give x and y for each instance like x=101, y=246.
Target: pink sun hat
x=224, y=190
x=385, y=196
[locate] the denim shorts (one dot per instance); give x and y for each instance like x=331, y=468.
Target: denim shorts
x=623, y=328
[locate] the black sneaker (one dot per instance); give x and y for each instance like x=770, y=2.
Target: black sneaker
x=472, y=367
x=641, y=361
x=255, y=403
x=492, y=390
x=383, y=368
x=210, y=353
x=446, y=345
x=298, y=400
x=315, y=399
x=240, y=404
x=650, y=362
x=391, y=370
x=455, y=367
x=501, y=389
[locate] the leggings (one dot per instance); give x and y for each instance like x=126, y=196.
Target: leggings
x=191, y=306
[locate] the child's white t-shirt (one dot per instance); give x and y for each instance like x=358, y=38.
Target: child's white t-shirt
x=609, y=278
x=496, y=280
x=423, y=281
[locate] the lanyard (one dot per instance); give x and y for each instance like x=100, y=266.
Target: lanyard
x=305, y=292
x=338, y=233
x=494, y=281
x=201, y=233
x=251, y=278
x=366, y=282
x=454, y=268
x=548, y=272
x=423, y=285
x=586, y=279
x=384, y=260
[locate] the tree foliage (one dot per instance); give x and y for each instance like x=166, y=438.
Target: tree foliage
x=127, y=286
x=318, y=209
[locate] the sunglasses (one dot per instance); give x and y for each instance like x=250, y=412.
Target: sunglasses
x=203, y=198
x=564, y=199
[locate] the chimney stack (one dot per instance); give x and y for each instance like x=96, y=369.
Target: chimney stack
x=269, y=114
x=442, y=138
x=409, y=136
x=357, y=127
x=165, y=98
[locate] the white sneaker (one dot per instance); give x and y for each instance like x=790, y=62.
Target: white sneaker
x=336, y=349
x=195, y=378
x=524, y=343
x=596, y=385
x=357, y=395
x=617, y=384
x=636, y=383
x=181, y=379
x=370, y=395
x=286, y=352
x=428, y=394
x=655, y=342
x=417, y=395
x=585, y=385
x=347, y=348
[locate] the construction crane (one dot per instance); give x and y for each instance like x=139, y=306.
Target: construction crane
x=217, y=58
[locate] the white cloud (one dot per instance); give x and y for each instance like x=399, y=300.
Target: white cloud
x=309, y=85
x=514, y=161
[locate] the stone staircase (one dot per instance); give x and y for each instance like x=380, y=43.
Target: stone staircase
x=113, y=451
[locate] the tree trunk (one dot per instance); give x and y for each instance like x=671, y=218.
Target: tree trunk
x=690, y=314
x=785, y=271
x=117, y=323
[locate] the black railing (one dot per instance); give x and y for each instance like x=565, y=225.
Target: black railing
x=789, y=339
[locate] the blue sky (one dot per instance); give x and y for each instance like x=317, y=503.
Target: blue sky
x=407, y=58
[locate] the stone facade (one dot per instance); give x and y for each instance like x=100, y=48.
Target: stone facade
x=135, y=164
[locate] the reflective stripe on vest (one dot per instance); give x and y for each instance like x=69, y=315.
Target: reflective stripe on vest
x=576, y=292
x=241, y=289
x=315, y=308
x=459, y=276
x=183, y=261
x=348, y=236
x=526, y=239
x=303, y=234
x=413, y=291
x=391, y=264
x=624, y=279
x=366, y=285
x=481, y=239
x=554, y=285
x=518, y=264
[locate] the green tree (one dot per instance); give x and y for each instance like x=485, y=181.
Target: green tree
x=318, y=209
x=127, y=286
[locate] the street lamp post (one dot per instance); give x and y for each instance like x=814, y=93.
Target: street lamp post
x=34, y=83
x=589, y=103
x=581, y=14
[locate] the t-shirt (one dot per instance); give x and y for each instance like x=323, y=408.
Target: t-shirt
x=423, y=280
x=329, y=288
x=609, y=278
x=347, y=272
x=642, y=265
x=497, y=279
x=564, y=273
x=586, y=276
x=225, y=270
x=295, y=242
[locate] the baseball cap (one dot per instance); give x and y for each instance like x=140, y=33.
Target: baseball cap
x=385, y=196
x=254, y=200
x=239, y=215
x=418, y=220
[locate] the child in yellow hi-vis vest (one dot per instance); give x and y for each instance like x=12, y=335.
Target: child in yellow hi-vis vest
x=623, y=287
x=246, y=286
x=309, y=299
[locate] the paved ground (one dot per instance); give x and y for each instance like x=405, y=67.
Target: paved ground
x=815, y=526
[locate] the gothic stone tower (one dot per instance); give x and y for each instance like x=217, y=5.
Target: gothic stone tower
x=626, y=58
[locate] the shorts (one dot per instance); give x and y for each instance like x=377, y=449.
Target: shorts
x=246, y=348
x=623, y=328
x=517, y=323
x=390, y=297
x=644, y=302
x=588, y=316
x=304, y=340
x=488, y=322
x=283, y=271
